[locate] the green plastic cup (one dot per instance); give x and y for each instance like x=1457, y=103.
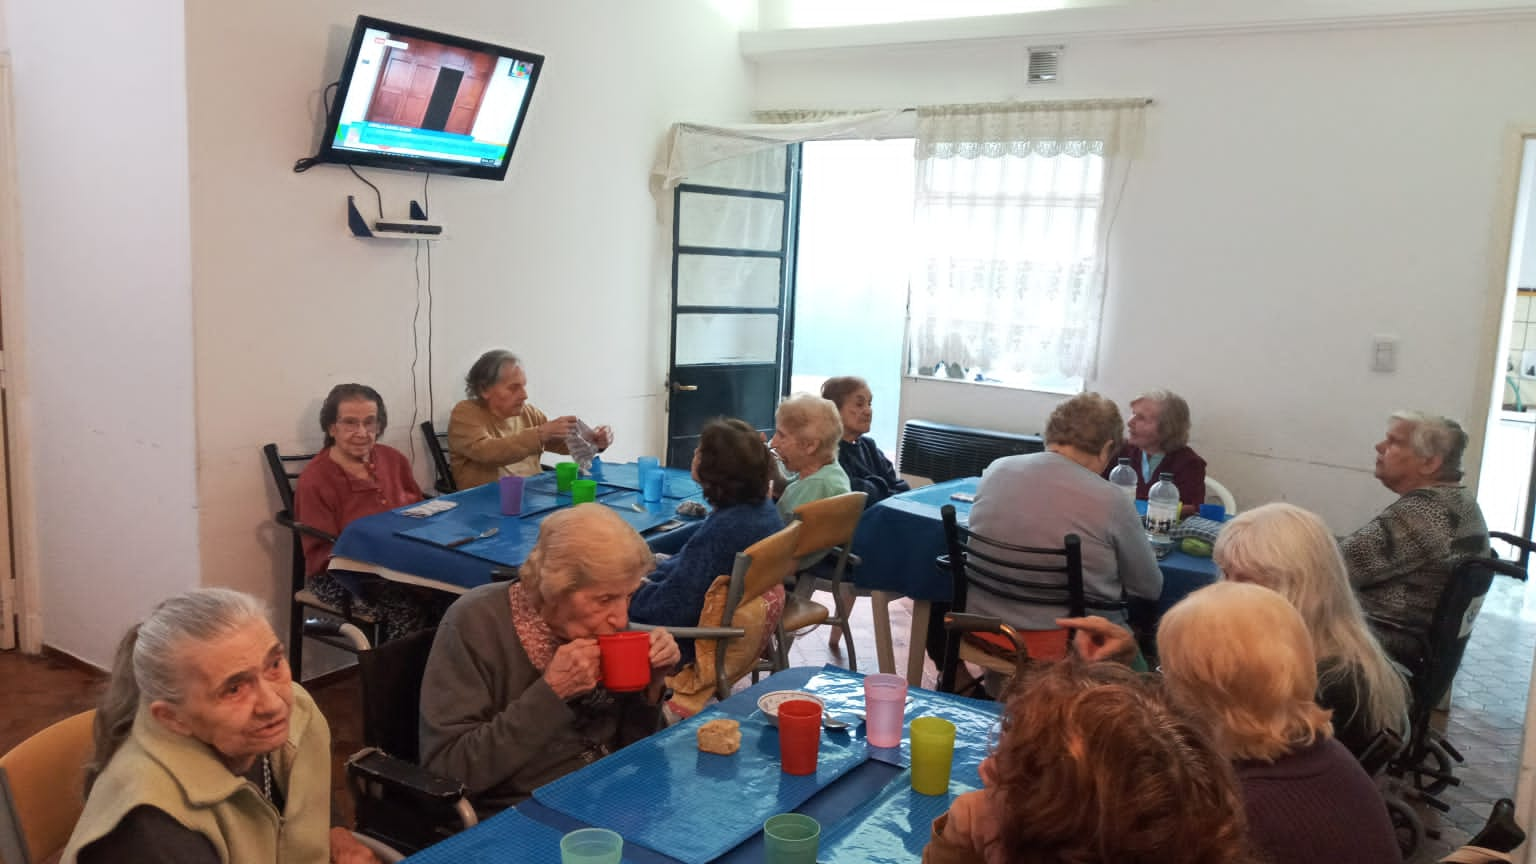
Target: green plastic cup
x=583, y=491
x=591, y=846
x=791, y=838
x=933, y=752
x=565, y=475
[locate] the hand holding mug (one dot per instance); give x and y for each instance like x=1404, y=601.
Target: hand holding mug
x=664, y=651
x=576, y=668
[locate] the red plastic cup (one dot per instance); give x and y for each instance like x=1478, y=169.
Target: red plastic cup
x=799, y=735
x=626, y=661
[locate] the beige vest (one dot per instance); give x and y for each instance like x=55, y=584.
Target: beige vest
x=184, y=778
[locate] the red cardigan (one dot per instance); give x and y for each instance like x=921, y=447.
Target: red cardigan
x=1186, y=466
x=329, y=498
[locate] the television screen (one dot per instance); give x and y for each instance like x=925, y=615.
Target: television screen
x=424, y=101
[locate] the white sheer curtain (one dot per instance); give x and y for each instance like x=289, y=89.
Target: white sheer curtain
x=1014, y=204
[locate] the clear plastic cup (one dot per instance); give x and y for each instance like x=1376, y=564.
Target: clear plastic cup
x=591, y=846
x=885, y=706
x=791, y=838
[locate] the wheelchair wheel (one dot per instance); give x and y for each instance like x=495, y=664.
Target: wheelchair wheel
x=1406, y=827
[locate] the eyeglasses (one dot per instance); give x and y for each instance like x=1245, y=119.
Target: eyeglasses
x=352, y=424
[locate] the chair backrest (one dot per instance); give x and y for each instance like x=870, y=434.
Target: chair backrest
x=828, y=522
x=391, y=676
x=1449, y=632
x=285, y=472
x=46, y=776
x=760, y=567
x=437, y=445
x=1027, y=575
x=1214, y=489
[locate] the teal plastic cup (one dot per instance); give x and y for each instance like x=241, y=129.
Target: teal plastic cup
x=791, y=838
x=591, y=846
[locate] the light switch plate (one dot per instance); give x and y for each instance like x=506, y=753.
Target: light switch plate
x=1384, y=354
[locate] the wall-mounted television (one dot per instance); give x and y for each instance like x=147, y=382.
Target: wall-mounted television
x=418, y=100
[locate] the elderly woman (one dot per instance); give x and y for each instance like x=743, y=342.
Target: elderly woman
x=1157, y=442
x=495, y=432
x=805, y=437
x=1038, y=498
x=1400, y=561
x=206, y=751
x=1307, y=798
x=510, y=699
x=352, y=477
x=1095, y=765
x=867, y=468
x=1287, y=549
x=733, y=467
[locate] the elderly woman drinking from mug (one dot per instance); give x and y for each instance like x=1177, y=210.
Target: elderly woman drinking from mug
x=206, y=751
x=495, y=432
x=805, y=436
x=867, y=468
x=352, y=477
x=512, y=696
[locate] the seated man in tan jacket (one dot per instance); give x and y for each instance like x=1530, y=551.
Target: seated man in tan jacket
x=496, y=432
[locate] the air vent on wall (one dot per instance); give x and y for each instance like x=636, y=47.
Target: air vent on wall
x=1044, y=64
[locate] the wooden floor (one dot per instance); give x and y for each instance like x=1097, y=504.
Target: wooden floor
x=1485, y=721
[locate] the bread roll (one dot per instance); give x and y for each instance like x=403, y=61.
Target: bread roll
x=720, y=736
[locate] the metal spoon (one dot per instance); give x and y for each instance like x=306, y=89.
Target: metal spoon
x=489, y=532
x=832, y=724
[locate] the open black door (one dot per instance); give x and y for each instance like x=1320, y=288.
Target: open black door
x=732, y=256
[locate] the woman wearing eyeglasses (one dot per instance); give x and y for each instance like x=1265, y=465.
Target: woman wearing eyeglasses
x=356, y=476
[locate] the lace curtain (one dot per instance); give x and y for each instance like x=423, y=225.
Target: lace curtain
x=1014, y=205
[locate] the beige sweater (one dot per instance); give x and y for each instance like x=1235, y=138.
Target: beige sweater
x=483, y=447
x=183, y=777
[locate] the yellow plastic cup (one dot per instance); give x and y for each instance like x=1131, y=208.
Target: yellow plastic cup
x=933, y=752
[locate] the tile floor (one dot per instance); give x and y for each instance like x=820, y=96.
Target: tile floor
x=1485, y=721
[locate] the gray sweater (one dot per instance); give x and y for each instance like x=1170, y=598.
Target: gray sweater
x=1038, y=499
x=489, y=720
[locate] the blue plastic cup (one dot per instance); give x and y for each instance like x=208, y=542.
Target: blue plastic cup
x=643, y=466
x=654, y=485
x=1214, y=512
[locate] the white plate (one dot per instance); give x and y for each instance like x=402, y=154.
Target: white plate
x=769, y=703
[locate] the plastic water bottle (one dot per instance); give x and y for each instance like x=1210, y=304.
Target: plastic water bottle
x=1124, y=478
x=1162, y=513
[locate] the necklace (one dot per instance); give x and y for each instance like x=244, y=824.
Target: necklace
x=266, y=775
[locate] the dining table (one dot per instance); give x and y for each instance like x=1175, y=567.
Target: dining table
x=899, y=539
x=676, y=805
x=463, y=546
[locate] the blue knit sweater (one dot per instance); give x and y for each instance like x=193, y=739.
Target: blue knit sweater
x=673, y=595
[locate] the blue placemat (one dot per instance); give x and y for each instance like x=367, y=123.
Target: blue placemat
x=640, y=515
x=712, y=802
x=507, y=836
x=975, y=720
x=894, y=826
x=509, y=546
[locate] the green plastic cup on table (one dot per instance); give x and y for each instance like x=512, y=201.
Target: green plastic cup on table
x=791, y=838
x=933, y=752
x=565, y=475
x=591, y=846
x=583, y=491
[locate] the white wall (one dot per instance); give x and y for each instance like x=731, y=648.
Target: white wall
x=1298, y=194
x=563, y=262
x=102, y=158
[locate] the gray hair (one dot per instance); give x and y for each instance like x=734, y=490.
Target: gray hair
x=149, y=665
x=1172, y=421
x=487, y=371
x=804, y=415
x=1434, y=436
x=589, y=544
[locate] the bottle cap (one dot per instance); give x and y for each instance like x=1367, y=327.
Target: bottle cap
x=1165, y=476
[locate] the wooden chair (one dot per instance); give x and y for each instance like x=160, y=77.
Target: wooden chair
x=827, y=526
x=437, y=445
x=336, y=626
x=725, y=650
x=43, y=780
x=991, y=568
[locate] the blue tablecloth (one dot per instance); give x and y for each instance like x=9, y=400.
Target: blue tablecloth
x=899, y=538
x=415, y=546
x=858, y=811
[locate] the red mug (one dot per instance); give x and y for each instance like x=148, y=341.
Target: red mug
x=626, y=661
x=799, y=735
